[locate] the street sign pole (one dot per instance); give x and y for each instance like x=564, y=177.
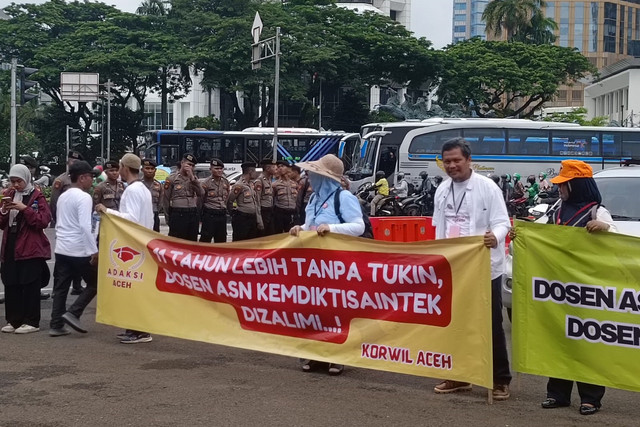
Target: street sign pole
x=14, y=111
x=109, y=119
x=276, y=97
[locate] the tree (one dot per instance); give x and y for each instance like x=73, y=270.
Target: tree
x=507, y=78
x=577, y=115
x=516, y=17
x=209, y=123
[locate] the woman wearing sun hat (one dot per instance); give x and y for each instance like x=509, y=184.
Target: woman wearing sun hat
x=579, y=207
x=325, y=176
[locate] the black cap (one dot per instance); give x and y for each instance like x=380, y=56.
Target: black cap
x=283, y=163
x=248, y=165
x=80, y=168
x=217, y=162
x=190, y=158
x=29, y=162
x=112, y=164
x=75, y=155
x=149, y=162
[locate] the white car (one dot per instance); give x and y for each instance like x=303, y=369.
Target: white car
x=619, y=188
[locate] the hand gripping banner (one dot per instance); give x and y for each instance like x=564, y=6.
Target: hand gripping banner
x=417, y=308
x=576, y=305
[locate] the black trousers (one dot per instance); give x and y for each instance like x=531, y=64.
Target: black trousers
x=22, y=303
x=184, y=223
x=501, y=371
x=156, y=222
x=245, y=226
x=66, y=268
x=282, y=219
x=214, y=226
x=267, y=221
x=561, y=391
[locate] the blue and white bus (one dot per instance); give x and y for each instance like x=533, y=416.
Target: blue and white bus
x=498, y=146
x=234, y=148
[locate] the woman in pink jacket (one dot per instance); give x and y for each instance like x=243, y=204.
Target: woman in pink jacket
x=24, y=214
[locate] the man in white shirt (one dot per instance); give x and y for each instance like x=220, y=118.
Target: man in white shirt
x=76, y=251
x=136, y=205
x=469, y=204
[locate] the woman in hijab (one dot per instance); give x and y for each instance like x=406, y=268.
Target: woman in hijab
x=579, y=207
x=24, y=214
x=325, y=176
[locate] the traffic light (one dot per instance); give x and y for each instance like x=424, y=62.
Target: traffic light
x=25, y=85
x=75, y=138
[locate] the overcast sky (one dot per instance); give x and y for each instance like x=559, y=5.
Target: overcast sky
x=430, y=18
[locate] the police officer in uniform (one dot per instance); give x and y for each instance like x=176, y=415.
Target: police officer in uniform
x=109, y=192
x=148, y=179
x=246, y=218
x=285, y=193
x=214, y=205
x=263, y=187
x=61, y=184
x=182, y=194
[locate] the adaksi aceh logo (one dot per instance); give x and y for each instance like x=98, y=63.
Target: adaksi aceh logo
x=125, y=262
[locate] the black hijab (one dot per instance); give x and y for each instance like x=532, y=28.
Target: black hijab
x=582, y=192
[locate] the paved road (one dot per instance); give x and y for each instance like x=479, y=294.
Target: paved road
x=93, y=380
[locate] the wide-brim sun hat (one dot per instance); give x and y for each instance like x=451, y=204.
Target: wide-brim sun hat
x=329, y=166
x=571, y=169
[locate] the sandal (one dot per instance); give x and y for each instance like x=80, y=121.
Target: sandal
x=588, y=409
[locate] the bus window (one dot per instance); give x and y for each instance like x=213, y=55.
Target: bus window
x=631, y=145
x=296, y=147
x=611, y=145
x=169, y=155
x=206, y=149
x=388, y=159
x=431, y=143
x=575, y=143
x=528, y=141
x=486, y=141
x=267, y=148
x=253, y=150
x=233, y=151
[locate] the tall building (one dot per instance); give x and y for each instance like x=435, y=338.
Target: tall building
x=467, y=19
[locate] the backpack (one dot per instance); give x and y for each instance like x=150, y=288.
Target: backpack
x=368, y=229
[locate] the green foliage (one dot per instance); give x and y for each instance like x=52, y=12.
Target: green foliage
x=507, y=79
x=578, y=115
x=381, y=117
x=209, y=123
x=522, y=20
x=352, y=112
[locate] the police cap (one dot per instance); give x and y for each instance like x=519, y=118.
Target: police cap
x=75, y=155
x=217, y=162
x=110, y=164
x=149, y=162
x=190, y=158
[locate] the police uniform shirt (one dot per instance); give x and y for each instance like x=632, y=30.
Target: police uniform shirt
x=285, y=193
x=155, y=187
x=181, y=192
x=216, y=192
x=108, y=194
x=264, y=190
x=60, y=185
x=245, y=197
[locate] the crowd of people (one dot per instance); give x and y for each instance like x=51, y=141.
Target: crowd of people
x=276, y=201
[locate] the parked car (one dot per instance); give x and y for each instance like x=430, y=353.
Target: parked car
x=619, y=188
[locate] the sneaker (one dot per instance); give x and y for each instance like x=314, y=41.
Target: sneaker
x=136, y=338
x=58, y=332
x=74, y=322
x=335, y=369
x=501, y=392
x=449, y=386
x=123, y=335
x=26, y=329
x=9, y=329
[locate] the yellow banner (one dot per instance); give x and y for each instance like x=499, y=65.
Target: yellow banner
x=419, y=308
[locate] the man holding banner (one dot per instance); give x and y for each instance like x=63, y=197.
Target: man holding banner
x=469, y=204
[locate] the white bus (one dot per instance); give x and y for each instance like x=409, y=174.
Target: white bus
x=499, y=146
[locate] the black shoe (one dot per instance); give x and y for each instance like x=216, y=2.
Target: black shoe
x=74, y=322
x=44, y=295
x=551, y=403
x=1, y=300
x=76, y=291
x=588, y=409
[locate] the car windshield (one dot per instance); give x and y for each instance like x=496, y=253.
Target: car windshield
x=620, y=197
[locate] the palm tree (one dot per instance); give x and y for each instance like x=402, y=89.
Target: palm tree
x=512, y=16
x=153, y=8
x=541, y=30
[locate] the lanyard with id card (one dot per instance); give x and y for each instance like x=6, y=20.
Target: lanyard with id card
x=454, y=229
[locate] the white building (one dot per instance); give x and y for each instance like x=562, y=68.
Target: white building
x=616, y=93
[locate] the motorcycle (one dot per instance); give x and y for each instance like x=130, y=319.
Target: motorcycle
x=419, y=204
x=518, y=207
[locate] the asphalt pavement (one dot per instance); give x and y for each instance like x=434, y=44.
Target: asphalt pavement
x=94, y=380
